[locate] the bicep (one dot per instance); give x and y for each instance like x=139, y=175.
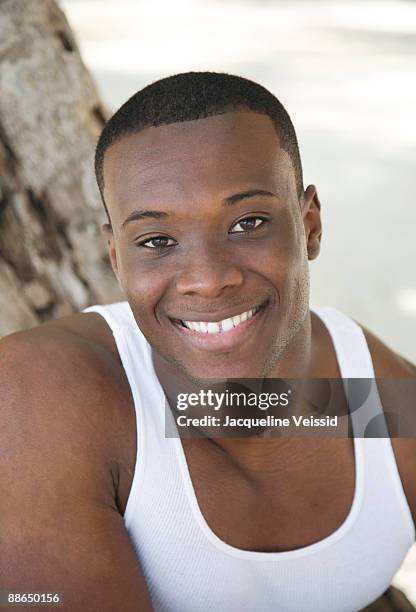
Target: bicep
x=84, y=554
x=60, y=530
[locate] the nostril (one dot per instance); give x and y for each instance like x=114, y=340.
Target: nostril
x=208, y=282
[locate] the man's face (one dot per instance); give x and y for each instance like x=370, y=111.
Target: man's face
x=218, y=244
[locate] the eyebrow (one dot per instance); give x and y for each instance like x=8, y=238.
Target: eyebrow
x=237, y=197
x=137, y=215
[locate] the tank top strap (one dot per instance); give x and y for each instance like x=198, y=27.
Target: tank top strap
x=134, y=350
x=147, y=395
x=354, y=358
x=357, y=371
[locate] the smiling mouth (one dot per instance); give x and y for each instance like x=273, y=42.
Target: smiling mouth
x=222, y=326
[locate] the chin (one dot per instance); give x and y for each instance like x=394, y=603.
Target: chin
x=222, y=371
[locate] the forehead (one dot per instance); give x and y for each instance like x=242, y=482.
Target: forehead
x=196, y=159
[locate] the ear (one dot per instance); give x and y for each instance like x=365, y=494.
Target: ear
x=107, y=231
x=311, y=214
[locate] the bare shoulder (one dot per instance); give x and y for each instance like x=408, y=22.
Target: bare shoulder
x=68, y=358
x=396, y=378
x=68, y=372
x=53, y=383
x=89, y=328
x=85, y=332
x=387, y=363
x=396, y=381
x=67, y=426
x=63, y=356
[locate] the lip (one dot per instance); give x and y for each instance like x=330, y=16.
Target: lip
x=219, y=316
x=223, y=340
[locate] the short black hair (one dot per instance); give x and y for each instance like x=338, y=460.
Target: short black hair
x=196, y=95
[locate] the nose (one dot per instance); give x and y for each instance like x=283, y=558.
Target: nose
x=208, y=273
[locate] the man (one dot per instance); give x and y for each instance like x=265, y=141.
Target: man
x=209, y=233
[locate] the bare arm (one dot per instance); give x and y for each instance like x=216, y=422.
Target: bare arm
x=60, y=529
x=396, y=381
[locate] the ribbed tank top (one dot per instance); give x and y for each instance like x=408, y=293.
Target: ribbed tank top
x=188, y=568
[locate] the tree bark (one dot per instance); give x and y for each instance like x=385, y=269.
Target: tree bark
x=53, y=259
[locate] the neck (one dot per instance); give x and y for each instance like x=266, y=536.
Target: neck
x=294, y=361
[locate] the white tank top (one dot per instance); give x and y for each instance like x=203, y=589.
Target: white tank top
x=189, y=569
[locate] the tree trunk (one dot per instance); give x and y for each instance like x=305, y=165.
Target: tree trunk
x=53, y=258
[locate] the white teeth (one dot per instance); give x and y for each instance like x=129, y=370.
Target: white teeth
x=227, y=324
x=215, y=327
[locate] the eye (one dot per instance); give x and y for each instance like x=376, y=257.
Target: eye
x=248, y=224
x=157, y=242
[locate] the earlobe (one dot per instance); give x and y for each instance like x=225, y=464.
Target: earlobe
x=312, y=221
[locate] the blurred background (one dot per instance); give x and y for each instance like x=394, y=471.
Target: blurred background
x=346, y=73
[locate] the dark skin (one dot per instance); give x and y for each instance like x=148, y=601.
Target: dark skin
x=209, y=266
x=296, y=492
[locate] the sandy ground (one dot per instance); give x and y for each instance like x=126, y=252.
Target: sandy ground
x=345, y=71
